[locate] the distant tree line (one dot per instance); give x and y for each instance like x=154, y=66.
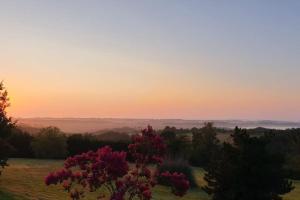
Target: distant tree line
x=52, y=143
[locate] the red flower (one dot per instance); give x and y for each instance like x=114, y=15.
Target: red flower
x=108, y=168
x=148, y=147
x=147, y=194
x=178, y=181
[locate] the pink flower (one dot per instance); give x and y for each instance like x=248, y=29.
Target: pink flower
x=108, y=168
x=148, y=147
x=147, y=194
x=180, y=184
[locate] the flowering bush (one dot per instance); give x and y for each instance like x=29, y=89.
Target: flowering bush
x=178, y=182
x=109, y=169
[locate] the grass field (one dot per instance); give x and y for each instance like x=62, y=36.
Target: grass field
x=23, y=180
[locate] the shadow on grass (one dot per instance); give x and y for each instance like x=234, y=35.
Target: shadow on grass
x=8, y=196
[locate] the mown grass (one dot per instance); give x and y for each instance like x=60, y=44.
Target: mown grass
x=295, y=194
x=24, y=180
x=7, y=196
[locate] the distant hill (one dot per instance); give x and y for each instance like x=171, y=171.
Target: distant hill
x=28, y=128
x=123, y=130
x=100, y=125
x=113, y=136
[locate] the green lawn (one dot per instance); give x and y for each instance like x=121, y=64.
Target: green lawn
x=23, y=180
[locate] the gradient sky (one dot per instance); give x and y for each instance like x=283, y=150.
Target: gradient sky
x=152, y=59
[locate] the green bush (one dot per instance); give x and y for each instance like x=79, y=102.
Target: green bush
x=180, y=166
x=50, y=143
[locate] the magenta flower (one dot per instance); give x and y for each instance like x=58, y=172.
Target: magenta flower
x=109, y=169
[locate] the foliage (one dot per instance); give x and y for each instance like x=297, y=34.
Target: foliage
x=80, y=143
x=4, y=154
x=109, y=169
x=179, y=184
x=21, y=144
x=245, y=170
x=286, y=142
x=178, y=144
x=178, y=165
x=50, y=143
x=168, y=133
x=112, y=136
x=205, y=144
x=6, y=125
x=292, y=167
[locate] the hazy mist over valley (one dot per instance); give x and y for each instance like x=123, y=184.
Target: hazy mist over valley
x=91, y=125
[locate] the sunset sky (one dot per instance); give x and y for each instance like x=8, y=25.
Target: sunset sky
x=152, y=59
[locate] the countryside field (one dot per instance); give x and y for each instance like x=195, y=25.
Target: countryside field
x=23, y=180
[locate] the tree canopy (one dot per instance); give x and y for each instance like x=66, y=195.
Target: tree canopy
x=245, y=170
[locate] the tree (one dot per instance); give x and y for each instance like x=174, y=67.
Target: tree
x=178, y=143
x=20, y=142
x=6, y=126
x=108, y=169
x=80, y=143
x=4, y=154
x=50, y=143
x=6, y=123
x=245, y=170
x=205, y=144
x=168, y=133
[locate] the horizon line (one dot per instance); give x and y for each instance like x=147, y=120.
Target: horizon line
x=129, y=118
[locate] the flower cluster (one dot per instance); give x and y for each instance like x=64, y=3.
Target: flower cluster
x=96, y=169
x=148, y=147
x=109, y=169
x=178, y=182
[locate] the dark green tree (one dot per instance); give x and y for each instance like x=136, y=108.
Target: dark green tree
x=245, y=170
x=205, y=144
x=178, y=144
x=50, y=143
x=6, y=126
x=20, y=141
x=168, y=133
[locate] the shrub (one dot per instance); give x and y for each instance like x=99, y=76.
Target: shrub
x=109, y=169
x=178, y=165
x=50, y=143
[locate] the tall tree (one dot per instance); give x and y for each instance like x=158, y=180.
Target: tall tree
x=245, y=170
x=6, y=125
x=178, y=145
x=205, y=144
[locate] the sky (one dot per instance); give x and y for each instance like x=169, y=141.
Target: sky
x=152, y=59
